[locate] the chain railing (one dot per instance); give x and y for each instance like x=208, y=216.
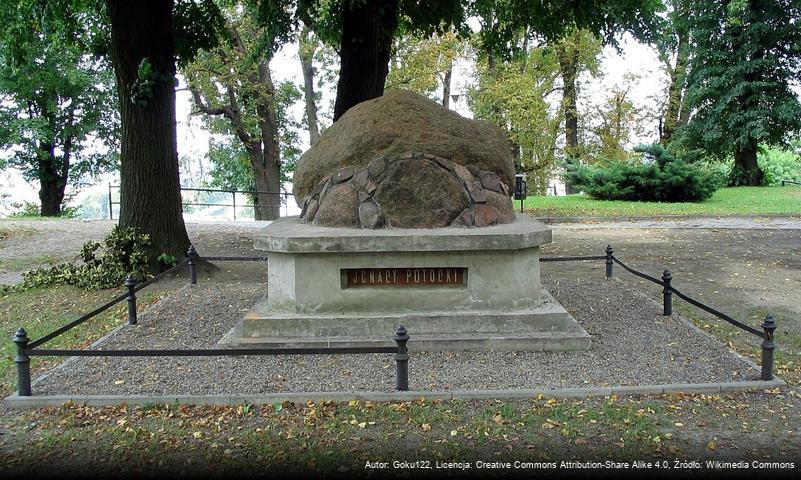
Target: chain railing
x=768, y=326
x=27, y=348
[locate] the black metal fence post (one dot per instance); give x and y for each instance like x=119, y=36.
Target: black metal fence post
x=110, y=204
x=609, y=263
x=23, y=362
x=130, y=283
x=401, y=359
x=192, y=254
x=667, y=293
x=768, y=347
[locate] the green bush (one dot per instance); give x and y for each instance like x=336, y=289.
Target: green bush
x=666, y=179
x=718, y=171
x=126, y=251
x=778, y=165
x=31, y=209
x=25, y=209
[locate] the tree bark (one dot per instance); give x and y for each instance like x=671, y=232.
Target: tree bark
x=673, y=118
x=684, y=111
x=52, y=181
x=446, y=87
x=746, y=168
x=267, y=176
x=257, y=212
x=306, y=54
x=367, y=31
x=568, y=66
x=268, y=171
x=264, y=209
x=150, y=184
x=52, y=170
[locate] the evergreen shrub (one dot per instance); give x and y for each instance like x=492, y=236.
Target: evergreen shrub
x=660, y=178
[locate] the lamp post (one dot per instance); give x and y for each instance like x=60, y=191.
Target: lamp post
x=521, y=188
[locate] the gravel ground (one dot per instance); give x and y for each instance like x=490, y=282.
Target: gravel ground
x=38, y=243
x=632, y=345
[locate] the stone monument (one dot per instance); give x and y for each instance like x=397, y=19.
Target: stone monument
x=407, y=218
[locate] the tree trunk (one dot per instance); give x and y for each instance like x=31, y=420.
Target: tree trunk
x=150, y=186
x=50, y=197
x=746, y=171
x=367, y=31
x=568, y=66
x=267, y=176
x=268, y=170
x=258, y=214
x=446, y=87
x=684, y=111
x=306, y=55
x=673, y=118
x=52, y=181
x=265, y=182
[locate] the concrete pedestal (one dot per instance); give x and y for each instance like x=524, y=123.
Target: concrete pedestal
x=453, y=288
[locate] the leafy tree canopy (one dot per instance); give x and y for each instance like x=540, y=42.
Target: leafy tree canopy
x=57, y=116
x=231, y=165
x=517, y=95
x=547, y=18
x=746, y=55
x=419, y=62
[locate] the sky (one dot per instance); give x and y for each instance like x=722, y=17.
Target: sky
x=193, y=139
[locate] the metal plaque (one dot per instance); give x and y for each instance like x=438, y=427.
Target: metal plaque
x=404, y=277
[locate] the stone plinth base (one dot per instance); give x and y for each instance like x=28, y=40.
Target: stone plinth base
x=453, y=288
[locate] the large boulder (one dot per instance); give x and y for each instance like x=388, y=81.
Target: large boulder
x=419, y=193
x=409, y=190
x=398, y=122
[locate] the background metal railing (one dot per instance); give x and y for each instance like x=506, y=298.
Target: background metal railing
x=282, y=200
x=27, y=348
x=785, y=182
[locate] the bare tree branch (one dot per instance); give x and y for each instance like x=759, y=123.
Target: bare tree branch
x=203, y=107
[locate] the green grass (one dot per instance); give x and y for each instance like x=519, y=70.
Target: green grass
x=42, y=310
x=334, y=438
x=23, y=264
x=15, y=231
x=13, y=218
x=726, y=201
